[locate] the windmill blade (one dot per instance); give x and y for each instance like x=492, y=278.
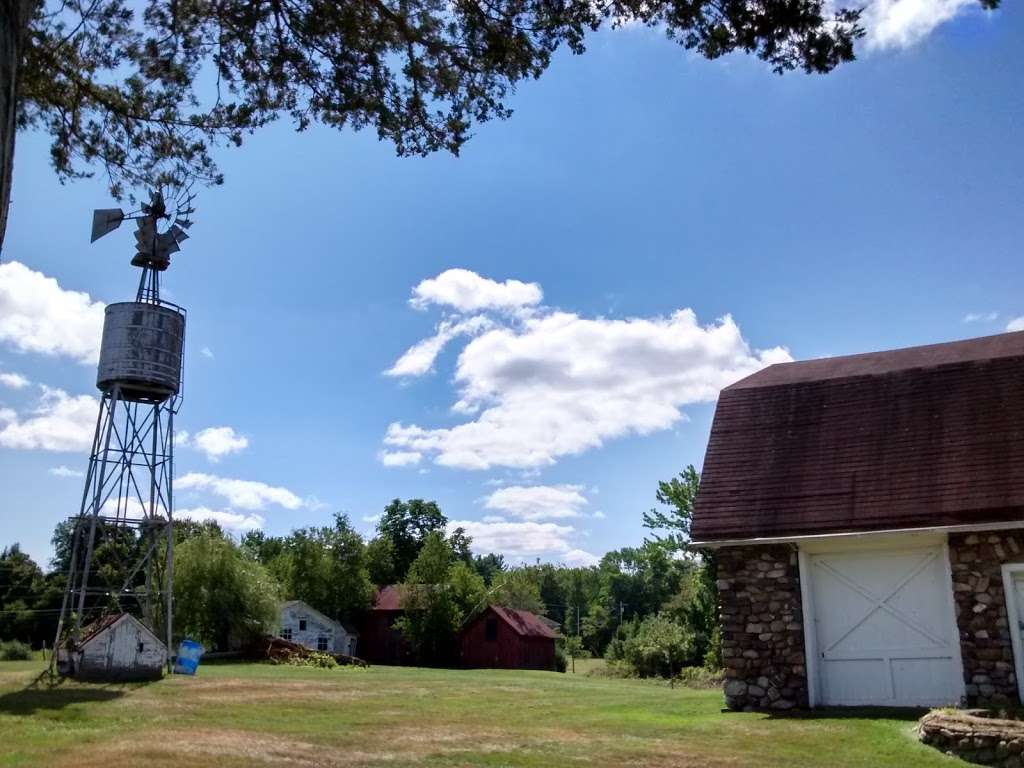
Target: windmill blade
x=105, y=221
x=179, y=234
x=183, y=223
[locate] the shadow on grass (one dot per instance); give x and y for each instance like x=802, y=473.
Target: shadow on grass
x=47, y=694
x=910, y=714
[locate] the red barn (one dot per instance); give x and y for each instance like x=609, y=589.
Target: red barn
x=379, y=641
x=503, y=638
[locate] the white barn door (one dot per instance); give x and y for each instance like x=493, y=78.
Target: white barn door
x=885, y=633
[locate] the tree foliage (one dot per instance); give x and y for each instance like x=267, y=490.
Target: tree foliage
x=406, y=525
x=678, y=494
x=222, y=597
x=654, y=646
x=439, y=594
x=145, y=91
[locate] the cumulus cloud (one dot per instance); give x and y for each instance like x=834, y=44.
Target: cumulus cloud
x=236, y=522
x=217, y=442
x=419, y=358
x=244, y=494
x=518, y=539
x=14, y=380
x=538, y=502
x=59, y=422
x=1017, y=324
x=978, y=317
x=579, y=558
x=37, y=315
x=904, y=23
x=63, y=471
x=466, y=291
x=553, y=384
x=399, y=458
x=207, y=353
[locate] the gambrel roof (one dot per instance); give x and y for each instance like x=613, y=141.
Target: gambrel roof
x=923, y=437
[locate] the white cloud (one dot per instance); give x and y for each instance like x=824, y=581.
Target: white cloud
x=466, y=291
x=977, y=317
x=60, y=422
x=517, y=539
x=579, y=558
x=599, y=515
x=903, y=23
x=1017, y=324
x=217, y=442
x=63, y=471
x=245, y=494
x=371, y=518
x=14, y=380
x=37, y=315
x=538, y=502
x=399, y=458
x=236, y=522
x=419, y=358
x=206, y=352
x=555, y=384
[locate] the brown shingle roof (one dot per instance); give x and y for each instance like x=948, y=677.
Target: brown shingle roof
x=911, y=438
x=524, y=623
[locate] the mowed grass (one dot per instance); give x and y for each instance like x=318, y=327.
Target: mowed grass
x=257, y=714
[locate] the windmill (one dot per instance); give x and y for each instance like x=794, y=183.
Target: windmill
x=125, y=519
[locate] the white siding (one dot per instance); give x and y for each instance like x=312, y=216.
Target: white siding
x=124, y=651
x=307, y=626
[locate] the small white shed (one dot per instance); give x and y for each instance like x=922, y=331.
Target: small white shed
x=117, y=647
x=303, y=624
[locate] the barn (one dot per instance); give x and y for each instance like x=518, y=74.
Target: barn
x=867, y=514
x=504, y=638
x=380, y=642
x=117, y=647
x=301, y=623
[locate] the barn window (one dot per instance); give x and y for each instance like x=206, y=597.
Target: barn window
x=321, y=643
x=286, y=633
x=302, y=625
x=491, y=630
x=142, y=646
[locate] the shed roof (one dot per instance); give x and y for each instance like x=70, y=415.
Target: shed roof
x=524, y=623
x=921, y=437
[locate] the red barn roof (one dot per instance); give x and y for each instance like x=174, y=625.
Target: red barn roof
x=388, y=598
x=922, y=437
x=524, y=623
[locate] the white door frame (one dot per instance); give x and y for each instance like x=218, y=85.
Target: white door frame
x=1013, y=618
x=883, y=541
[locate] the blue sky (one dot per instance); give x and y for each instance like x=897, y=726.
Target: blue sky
x=876, y=207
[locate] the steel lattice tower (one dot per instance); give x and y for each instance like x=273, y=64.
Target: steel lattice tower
x=122, y=541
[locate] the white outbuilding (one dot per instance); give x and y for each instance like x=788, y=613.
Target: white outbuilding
x=117, y=647
x=301, y=623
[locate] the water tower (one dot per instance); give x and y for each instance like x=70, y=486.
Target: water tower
x=122, y=540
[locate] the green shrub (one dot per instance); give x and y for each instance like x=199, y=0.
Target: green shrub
x=657, y=647
x=313, y=659
x=15, y=650
x=699, y=677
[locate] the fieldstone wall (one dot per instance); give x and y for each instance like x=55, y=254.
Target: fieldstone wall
x=975, y=737
x=976, y=560
x=762, y=627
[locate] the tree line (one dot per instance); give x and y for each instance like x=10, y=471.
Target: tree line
x=652, y=606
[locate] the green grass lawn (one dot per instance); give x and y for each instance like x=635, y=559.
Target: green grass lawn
x=257, y=714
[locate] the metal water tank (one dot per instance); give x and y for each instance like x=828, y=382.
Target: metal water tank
x=141, y=350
